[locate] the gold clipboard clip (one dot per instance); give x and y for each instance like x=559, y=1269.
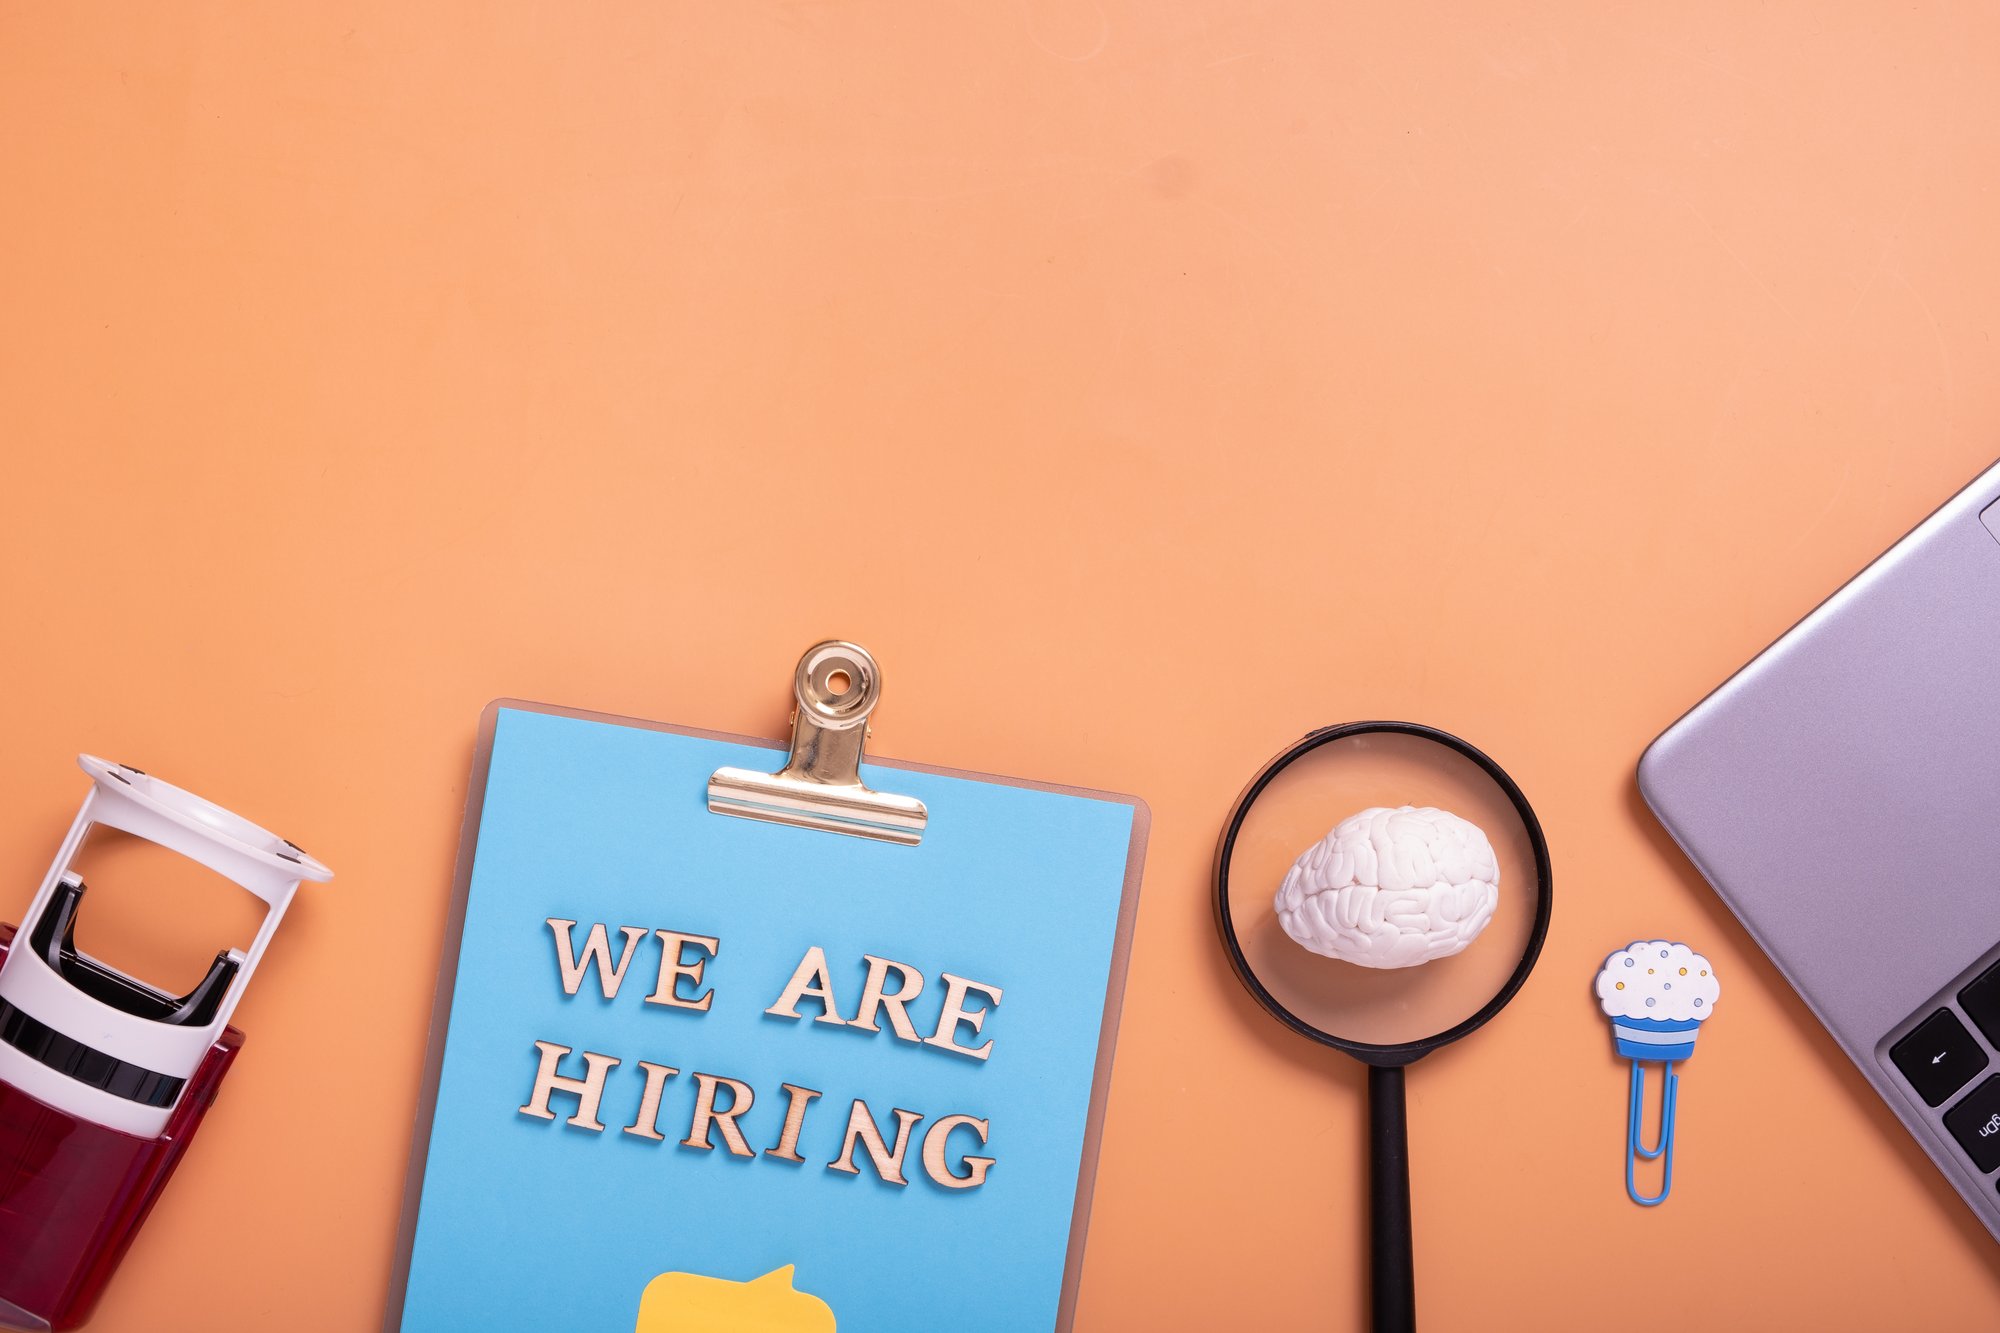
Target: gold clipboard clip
x=836, y=687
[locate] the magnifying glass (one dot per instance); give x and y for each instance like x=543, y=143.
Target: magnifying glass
x=1386, y=1018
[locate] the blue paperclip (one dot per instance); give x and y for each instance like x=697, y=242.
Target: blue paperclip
x=1634, y=1149
x=1657, y=994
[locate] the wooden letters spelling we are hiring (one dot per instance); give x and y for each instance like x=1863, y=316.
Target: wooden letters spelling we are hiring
x=679, y=984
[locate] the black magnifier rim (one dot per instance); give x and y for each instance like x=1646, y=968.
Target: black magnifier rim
x=1397, y=1053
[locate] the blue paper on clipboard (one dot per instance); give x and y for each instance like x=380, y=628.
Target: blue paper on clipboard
x=514, y=1220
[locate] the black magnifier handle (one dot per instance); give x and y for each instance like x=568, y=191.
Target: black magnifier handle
x=1392, y=1271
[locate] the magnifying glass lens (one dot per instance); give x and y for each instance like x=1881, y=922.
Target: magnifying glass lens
x=1299, y=806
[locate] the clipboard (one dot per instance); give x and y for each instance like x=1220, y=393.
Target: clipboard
x=669, y=1084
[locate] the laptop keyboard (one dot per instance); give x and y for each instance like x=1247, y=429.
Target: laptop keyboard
x=1940, y=1057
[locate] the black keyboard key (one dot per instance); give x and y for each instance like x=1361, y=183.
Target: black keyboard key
x=1975, y=1123
x=1939, y=1058
x=1982, y=1002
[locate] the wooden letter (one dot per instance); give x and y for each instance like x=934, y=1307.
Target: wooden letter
x=935, y=1142
x=597, y=949
x=647, y=1123
x=706, y=1116
x=672, y=945
x=909, y=985
x=955, y=1013
x=861, y=1125
x=588, y=1090
x=810, y=978
x=795, y=1118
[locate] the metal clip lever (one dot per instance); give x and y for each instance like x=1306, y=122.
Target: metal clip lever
x=837, y=686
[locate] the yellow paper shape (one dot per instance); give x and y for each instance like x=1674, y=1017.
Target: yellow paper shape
x=690, y=1303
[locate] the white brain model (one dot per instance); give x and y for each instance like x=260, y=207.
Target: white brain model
x=1392, y=888
x=1657, y=979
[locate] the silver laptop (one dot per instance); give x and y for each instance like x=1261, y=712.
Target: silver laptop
x=1842, y=794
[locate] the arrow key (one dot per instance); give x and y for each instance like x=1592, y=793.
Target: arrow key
x=1939, y=1057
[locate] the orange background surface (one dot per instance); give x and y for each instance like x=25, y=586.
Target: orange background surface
x=1144, y=384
